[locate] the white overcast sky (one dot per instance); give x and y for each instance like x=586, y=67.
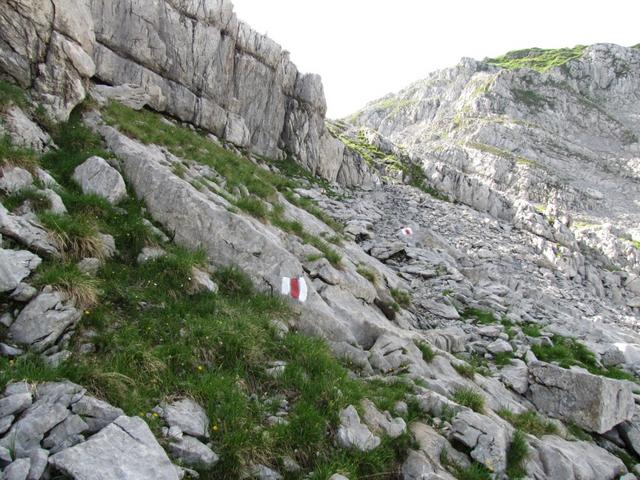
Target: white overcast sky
x=365, y=49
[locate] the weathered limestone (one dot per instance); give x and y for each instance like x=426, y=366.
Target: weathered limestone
x=354, y=434
x=96, y=176
x=124, y=450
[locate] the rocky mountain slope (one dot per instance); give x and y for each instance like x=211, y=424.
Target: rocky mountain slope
x=180, y=298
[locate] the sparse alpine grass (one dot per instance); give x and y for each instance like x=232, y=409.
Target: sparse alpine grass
x=537, y=58
x=478, y=316
x=568, y=351
x=530, y=422
x=14, y=156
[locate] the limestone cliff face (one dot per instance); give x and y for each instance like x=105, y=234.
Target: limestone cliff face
x=568, y=135
x=197, y=61
x=510, y=141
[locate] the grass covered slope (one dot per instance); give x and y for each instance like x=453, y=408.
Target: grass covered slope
x=155, y=341
x=539, y=59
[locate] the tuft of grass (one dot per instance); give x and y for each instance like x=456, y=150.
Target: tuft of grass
x=516, y=455
x=36, y=198
x=529, y=422
x=401, y=297
x=537, y=58
x=253, y=206
x=469, y=397
x=76, y=236
x=503, y=359
x=11, y=155
x=427, y=352
x=479, y=316
x=367, y=273
x=464, y=369
x=64, y=277
x=234, y=282
x=531, y=330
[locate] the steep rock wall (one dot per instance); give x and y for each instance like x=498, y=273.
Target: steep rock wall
x=202, y=64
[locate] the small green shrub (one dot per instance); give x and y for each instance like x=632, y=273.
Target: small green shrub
x=233, y=282
x=503, y=359
x=516, y=455
x=529, y=422
x=469, y=398
x=427, y=352
x=577, y=432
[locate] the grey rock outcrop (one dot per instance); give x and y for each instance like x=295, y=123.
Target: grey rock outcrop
x=594, y=403
x=96, y=176
x=352, y=433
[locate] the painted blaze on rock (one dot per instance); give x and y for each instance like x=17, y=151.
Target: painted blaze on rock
x=296, y=288
x=594, y=403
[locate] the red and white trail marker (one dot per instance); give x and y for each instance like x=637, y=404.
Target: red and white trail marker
x=296, y=288
x=407, y=231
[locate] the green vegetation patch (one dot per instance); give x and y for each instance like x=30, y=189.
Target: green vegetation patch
x=478, y=316
x=537, y=58
x=154, y=340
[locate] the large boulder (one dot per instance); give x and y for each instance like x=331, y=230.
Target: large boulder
x=592, y=402
x=124, y=450
x=96, y=176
